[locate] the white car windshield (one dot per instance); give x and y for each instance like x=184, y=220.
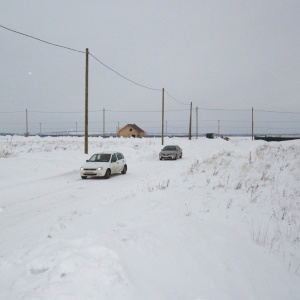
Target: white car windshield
x=104, y=157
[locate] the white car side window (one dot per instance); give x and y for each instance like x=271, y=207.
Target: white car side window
x=120, y=156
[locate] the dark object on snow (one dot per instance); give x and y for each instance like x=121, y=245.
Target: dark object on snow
x=211, y=135
x=277, y=138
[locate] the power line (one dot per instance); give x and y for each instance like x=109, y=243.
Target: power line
x=224, y=109
x=56, y=112
x=239, y=121
x=151, y=111
x=145, y=111
x=257, y=121
x=40, y=40
x=63, y=112
x=277, y=112
x=134, y=82
x=124, y=77
x=94, y=111
x=12, y=112
x=176, y=99
x=68, y=48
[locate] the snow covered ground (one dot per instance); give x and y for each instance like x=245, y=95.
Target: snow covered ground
x=223, y=222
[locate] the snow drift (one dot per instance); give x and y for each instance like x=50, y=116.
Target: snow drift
x=223, y=222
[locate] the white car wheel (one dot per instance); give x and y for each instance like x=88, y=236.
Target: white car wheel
x=124, y=171
x=107, y=174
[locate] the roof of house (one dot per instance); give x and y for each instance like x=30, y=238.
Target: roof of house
x=137, y=128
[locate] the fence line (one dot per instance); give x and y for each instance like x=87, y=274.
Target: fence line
x=223, y=121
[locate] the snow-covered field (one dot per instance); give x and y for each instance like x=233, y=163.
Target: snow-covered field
x=223, y=222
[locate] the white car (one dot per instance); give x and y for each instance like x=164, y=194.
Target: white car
x=103, y=165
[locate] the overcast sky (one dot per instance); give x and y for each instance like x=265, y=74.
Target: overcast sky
x=231, y=55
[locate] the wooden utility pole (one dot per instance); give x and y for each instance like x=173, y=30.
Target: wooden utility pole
x=103, y=122
x=190, y=126
x=86, y=121
x=166, y=128
x=196, y=122
x=252, y=125
x=163, y=116
x=27, y=133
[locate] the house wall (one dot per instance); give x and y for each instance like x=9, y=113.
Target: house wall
x=128, y=131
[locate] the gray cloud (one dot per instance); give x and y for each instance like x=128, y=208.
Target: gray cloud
x=216, y=54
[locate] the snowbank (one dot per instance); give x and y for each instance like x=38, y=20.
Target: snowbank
x=223, y=222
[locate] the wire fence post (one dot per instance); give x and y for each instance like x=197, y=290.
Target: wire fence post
x=103, y=122
x=86, y=122
x=26, y=133
x=163, y=116
x=190, y=126
x=252, y=125
x=196, y=122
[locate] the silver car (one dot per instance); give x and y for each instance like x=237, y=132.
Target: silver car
x=170, y=152
x=103, y=165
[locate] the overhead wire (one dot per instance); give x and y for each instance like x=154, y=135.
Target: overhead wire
x=277, y=112
x=132, y=111
x=224, y=109
x=40, y=40
x=106, y=110
x=80, y=51
x=175, y=98
x=56, y=112
x=124, y=77
x=11, y=112
x=130, y=80
x=150, y=111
